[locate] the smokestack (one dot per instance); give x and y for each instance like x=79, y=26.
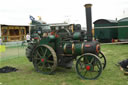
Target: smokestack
x=88, y=21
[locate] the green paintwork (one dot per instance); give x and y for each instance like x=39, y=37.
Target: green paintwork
x=123, y=31
x=51, y=38
x=68, y=50
x=78, y=49
x=46, y=41
x=105, y=33
x=77, y=36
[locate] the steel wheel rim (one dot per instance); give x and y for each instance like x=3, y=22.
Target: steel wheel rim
x=44, y=59
x=103, y=59
x=95, y=67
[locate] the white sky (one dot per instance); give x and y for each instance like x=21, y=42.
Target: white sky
x=57, y=11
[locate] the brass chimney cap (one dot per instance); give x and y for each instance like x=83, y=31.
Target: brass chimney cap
x=87, y=5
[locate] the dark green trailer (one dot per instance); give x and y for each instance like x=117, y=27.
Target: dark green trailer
x=123, y=28
x=105, y=30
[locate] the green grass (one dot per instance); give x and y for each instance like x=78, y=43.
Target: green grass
x=12, y=52
x=26, y=74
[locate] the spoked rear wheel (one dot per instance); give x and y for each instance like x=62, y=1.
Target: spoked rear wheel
x=102, y=59
x=88, y=66
x=44, y=59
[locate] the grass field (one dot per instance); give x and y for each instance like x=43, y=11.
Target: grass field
x=26, y=74
x=12, y=52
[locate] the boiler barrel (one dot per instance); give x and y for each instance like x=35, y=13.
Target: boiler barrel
x=81, y=48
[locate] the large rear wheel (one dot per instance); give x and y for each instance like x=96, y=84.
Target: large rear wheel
x=44, y=59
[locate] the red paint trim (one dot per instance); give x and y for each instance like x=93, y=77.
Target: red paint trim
x=98, y=48
x=36, y=38
x=87, y=45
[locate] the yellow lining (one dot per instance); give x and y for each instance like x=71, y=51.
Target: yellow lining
x=82, y=48
x=73, y=48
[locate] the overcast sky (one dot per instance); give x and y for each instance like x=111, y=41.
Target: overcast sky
x=55, y=11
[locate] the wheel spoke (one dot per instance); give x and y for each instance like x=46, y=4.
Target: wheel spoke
x=97, y=66
x=43, y=64
x=87, y=60
x=38, y=54
x=90, y=74
x=85, y=72
x=39, y=63
x=42, y=50
x=37, y=58
x=50, y=61
x=49, y=55
x=81, y=65
x=45, y=52
x=92, y=60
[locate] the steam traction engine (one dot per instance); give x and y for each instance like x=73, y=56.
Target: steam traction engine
x=51, y=48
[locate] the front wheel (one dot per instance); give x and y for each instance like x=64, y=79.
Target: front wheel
x=88, y=66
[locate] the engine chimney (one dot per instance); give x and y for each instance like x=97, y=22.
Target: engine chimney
x=88, y=21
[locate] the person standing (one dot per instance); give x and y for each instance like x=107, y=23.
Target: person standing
x=0, y=41
x=28, y=37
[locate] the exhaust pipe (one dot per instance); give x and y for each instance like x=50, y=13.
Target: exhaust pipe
x=88, y=21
